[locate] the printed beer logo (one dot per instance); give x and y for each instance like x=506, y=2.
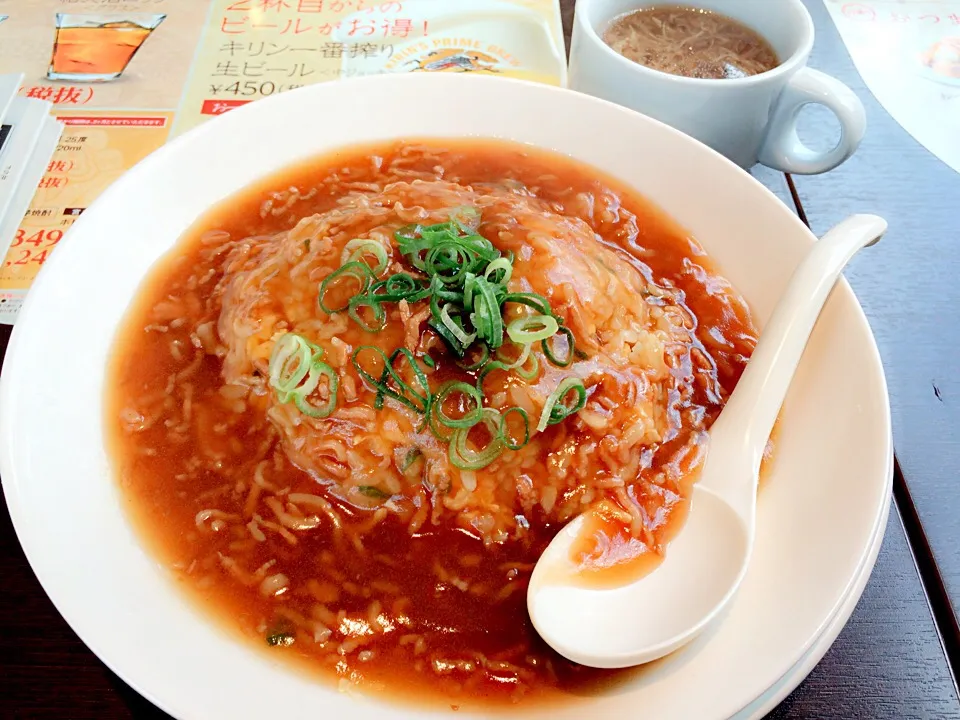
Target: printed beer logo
x=452, y=55
x=455, y=61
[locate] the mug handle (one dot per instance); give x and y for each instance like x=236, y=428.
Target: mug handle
x=783, y=150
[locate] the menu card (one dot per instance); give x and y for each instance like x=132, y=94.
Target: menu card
x=125, y=76
x=908, y=53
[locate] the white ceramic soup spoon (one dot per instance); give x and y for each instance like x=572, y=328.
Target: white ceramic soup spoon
x=647, y=618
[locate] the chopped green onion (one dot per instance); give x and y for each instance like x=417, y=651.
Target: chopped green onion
x=413, y=454
x=527, y=373
x=318, y=369
x=571, y=348
x=424, y=397
x=529, y=329
x=464, y=279
x=469, y=418
x=455, y=346
x=439, y=232
x=482, y=247
x=295, y=373
x=466, y=218
x=503, y=354
x=518, y=365
x=469, y=287
x=405, y=394
x=556, y=410
x=505, y=431
x=454, y=326
x=537, y=302
x=372, y=491
x=400, y=286
x=500, y=264
x=379, y=321
x=411, y=245
x=486, y=315
x=358, y=270
x=379, y=384
x=449, y=261
x=466, y=458
x=290, y=363
x=408, y=233
x=355, y=250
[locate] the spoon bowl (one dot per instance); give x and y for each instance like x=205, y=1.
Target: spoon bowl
x=651, y=616
x=695, y=580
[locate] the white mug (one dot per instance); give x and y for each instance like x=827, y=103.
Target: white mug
x=751, y=119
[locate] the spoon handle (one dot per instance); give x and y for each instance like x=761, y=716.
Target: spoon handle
x=755, y=404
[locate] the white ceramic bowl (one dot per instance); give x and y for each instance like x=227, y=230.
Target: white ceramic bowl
x=820, y=511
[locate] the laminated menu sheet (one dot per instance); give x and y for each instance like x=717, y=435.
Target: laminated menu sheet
x=908, y=53
x=125, y=76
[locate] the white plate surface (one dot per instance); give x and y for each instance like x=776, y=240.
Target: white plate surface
x=820, y=515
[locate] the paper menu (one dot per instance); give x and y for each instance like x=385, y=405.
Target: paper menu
x=9, y=84
x=127, y=75
x=46, y=144
x=28, y=136
x=246, y=55
x=908, y=53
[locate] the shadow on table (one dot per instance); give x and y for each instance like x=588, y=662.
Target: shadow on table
x=139, y=707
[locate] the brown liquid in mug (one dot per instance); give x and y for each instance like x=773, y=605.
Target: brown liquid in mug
x=691, y=42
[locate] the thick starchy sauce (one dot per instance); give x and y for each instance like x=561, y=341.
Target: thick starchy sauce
x=436, y=613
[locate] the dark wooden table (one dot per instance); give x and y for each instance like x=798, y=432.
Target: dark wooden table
x=893, y=660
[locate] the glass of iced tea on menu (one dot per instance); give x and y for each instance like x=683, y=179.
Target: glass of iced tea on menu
x=97, y=48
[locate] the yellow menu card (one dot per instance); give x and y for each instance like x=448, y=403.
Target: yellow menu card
x=127, y=75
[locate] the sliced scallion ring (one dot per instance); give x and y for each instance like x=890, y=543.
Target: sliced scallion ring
x=289, y=364
x=556, y=410
x=531, y=328
x=358, y=270
x=358, y=248
x=454, y=326
x=469, y=287
x=357, y=303
x=528, y=365
x=499, y=265
x=505, y=431
x=566, y=360
x=422, y=396
x=465, y=457
x=295, y=373
x=377, y=383
x=469, y=418
x=318, y=369
x=530, y=299
x=449, y=261
x=486, y=315
x=400, y=286
x=455, y=346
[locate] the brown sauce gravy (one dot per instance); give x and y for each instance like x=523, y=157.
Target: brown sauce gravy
x=164, y=510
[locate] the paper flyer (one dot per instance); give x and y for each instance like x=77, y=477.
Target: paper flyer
x=125, y=76
x=908, y=53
